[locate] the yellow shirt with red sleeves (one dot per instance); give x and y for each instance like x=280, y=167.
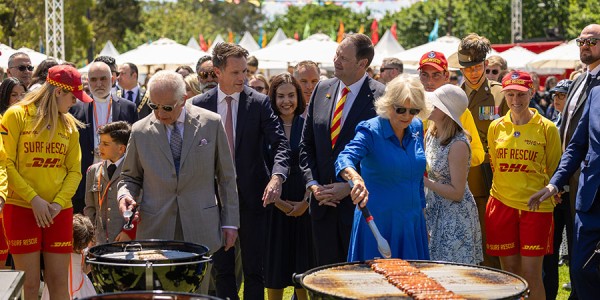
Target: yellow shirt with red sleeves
x=523, y=158
x=36, y=165
x=477, y=152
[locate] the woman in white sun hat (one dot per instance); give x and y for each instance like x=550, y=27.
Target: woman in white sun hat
x=451, y=213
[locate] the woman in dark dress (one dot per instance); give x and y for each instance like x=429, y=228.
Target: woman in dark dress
x=289, y=240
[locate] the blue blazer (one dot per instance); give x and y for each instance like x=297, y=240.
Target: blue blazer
x=583, y=150
x=317, y=158
x=255, y=124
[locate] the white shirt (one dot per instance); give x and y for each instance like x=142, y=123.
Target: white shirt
x=135, y=90
x=574, y=101
x=178, y=123
x=354, y=90
x=222, y=107
x=101, y=110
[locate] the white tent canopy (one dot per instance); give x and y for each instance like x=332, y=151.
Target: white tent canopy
x=6, y=52
x=387, y=47
x=563, y=56
x=446, y=45
x=35, y=57
x=164, y=53
x=266, y=55
x=517, y=57
x=218, y=39
x=192, y=43
x=278, y=37
x=109, y=50
x=247, y=42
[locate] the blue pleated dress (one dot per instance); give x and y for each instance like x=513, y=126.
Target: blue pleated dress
x=393, y=173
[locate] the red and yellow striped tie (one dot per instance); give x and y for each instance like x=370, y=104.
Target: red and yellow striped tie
x=336, y=123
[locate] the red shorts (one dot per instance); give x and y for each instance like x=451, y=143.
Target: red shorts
x=3, y=244
x=24, y=236
x=510, y=231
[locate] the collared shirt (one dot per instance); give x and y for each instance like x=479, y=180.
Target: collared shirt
x=135, y=90
x=104, y=117
x=117, y=163
x=354, y=90
x=574, y=101
x=222, y=107
x=178, y=123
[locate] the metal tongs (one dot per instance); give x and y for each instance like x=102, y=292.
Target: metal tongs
x=131, y=215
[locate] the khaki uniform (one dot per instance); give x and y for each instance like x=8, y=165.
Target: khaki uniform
x=486, y=105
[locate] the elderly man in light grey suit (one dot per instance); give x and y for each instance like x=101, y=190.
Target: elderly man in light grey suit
x=175, y=155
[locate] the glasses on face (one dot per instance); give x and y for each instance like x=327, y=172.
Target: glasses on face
x=402, y=110
x=167, y=108
x=590, y=42
x=205, y=75
x=495, y=72
x=23, y=68
x=435, y=76
x=560, y=96
x=259, y=89
x=381, y=70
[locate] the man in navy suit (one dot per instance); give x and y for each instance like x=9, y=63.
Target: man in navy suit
x=249, y=121
x=105, y=108
x=331, y=208
x=582, y=151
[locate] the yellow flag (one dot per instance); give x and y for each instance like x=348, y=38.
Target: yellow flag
x=362, y=29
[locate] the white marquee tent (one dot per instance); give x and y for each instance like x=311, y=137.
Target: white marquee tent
x=247, y=42
x=387, y=47
x=446, y=45
x=563, y=56
x=109, y=50
x=278, y=37
x=164, y=53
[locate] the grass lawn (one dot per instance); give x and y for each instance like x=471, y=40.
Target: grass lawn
x=563, y=274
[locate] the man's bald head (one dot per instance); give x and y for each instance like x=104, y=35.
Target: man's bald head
x=100, y=79
x=588, y=54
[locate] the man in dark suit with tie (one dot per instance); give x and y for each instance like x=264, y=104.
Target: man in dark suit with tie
x=129, y=89
x=581, y=134
x=249, y=121
x=105, y=108
x=333, y=113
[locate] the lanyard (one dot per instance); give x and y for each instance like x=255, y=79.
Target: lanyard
x=102, y=196
x=96, y=113
x=71, y=291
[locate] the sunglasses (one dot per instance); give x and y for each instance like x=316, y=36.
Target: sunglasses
x=205, y=75
x=381, y=70
x=167, y=108
x=22, y=68
x=259, y=89
x=402, y=110
x=495, y=72
x=590, y=42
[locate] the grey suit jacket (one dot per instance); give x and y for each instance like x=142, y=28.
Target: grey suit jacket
x=205, y=157
x=106, y=218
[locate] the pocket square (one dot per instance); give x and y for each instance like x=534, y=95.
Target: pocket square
x=203, y=142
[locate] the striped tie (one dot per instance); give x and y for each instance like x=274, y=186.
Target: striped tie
x=336, y=123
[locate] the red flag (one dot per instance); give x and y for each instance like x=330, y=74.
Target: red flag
x=374, y=32
x=393, y=31
x=203, y=44
x=296, y=36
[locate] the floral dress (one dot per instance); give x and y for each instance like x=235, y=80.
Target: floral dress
x=455, y=234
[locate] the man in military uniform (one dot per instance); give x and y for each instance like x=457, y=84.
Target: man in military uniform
x=486, y=103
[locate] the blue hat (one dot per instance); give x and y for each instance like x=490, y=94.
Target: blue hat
x=562, y=86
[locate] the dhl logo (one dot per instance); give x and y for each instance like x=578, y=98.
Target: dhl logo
x=39, y=162
x=61, y=244
x=504, y=167
x=532, y=247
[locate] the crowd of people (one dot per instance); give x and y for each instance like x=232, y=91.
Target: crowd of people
x=271, y=173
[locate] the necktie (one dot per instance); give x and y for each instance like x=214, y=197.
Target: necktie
x=336, y=123
x=176, y=142
x=111, y=170
x=130, y=96
x=229, y=127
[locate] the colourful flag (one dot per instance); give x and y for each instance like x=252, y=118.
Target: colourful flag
x=340, y=34
x=230, y=37
x=361, y=29
x=296, y=36
x=393, y=31
x=433, y=35
x=203, y=44
x=260, y=38
x=306, y=33
x=374, y=32
x=264, y=39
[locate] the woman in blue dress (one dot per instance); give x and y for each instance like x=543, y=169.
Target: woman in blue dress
x=388, y=151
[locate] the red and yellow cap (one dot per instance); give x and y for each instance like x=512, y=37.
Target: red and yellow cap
x=68, y=78
x=517, y=80
x=434, y=59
